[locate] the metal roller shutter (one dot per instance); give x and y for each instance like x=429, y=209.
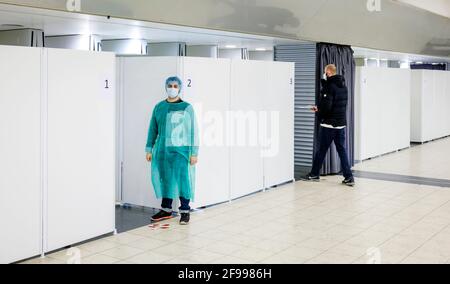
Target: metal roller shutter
x=304, y=56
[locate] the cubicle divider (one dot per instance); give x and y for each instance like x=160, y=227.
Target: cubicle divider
x=57, y=127
x=395, y=107
x=249, y=84
x=279, y=148
x=207, y=88
x=228, y=96
x=382, y=111
x=81, y=146
x=20, y=152
x=430, y=116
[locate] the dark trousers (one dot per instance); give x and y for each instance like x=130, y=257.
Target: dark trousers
x=184, y=208
x=326, y=137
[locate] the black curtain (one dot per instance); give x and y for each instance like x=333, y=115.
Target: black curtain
x=342, y=57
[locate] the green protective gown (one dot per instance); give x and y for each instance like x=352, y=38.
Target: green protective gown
x=172, y=140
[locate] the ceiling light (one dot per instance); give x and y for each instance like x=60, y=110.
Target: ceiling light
x=230, y=46
x=261, y=49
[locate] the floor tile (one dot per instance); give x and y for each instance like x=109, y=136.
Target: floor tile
x=122, y=252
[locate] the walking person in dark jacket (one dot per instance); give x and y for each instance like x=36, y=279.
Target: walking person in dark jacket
x=332, y=113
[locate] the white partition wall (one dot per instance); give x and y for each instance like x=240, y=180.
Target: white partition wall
x=20, y=152
x=430, y=118
x=207, y=88
x=382, y=111
x=81, y=146
x=249, y=83
x=141, y=88
x=229, y=98
x=57, y=127
x=279, y=103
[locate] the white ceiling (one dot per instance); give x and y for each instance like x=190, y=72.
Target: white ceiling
x=419, y=27
x=438, y=7
x=64, y=23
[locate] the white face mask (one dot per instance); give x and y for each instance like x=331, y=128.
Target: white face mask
x=172, y=93
x=325, y=76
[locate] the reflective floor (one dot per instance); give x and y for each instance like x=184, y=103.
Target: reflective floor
x=128, y=218
x=378, y=221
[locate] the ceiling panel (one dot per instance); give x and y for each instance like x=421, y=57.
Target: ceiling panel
x=63, y=23
x=387, y=25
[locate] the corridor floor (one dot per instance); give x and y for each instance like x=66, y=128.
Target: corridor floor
x=378, y=221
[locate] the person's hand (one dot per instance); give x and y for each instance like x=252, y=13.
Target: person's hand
x=194, y=160
x=314, y=109
x=149, y=157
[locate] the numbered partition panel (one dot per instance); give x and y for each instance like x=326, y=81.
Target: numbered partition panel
x=207, y=88
x=416, y=105
x=81, y=146
x=395, y=86
x=442, y=108
x=430, y=103
x=382, y=111
x=279, y=138
x=447, y=103
x=368, y=132
x=142, y=86
x=249, y=83
x=20, y=152
x=428, y=106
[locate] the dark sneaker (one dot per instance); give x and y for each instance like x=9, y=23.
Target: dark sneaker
x=349, y=182
x=185, y=217
x=309, y=177
x=161, y=215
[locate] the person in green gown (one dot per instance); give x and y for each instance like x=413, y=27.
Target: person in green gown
x=172, y=148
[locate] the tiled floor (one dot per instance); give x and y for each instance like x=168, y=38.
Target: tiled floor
x=427, y=160
x=376, y=222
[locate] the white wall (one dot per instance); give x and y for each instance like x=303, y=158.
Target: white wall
x=207, y=89
x=141, y=88
x=249, y=82
x=430, y=116
x=20, y=152
x=57, y=127
x=81, y=146
x=279, y=101
x=382, y=111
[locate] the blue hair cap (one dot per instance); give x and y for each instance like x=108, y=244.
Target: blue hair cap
x=174, y=79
